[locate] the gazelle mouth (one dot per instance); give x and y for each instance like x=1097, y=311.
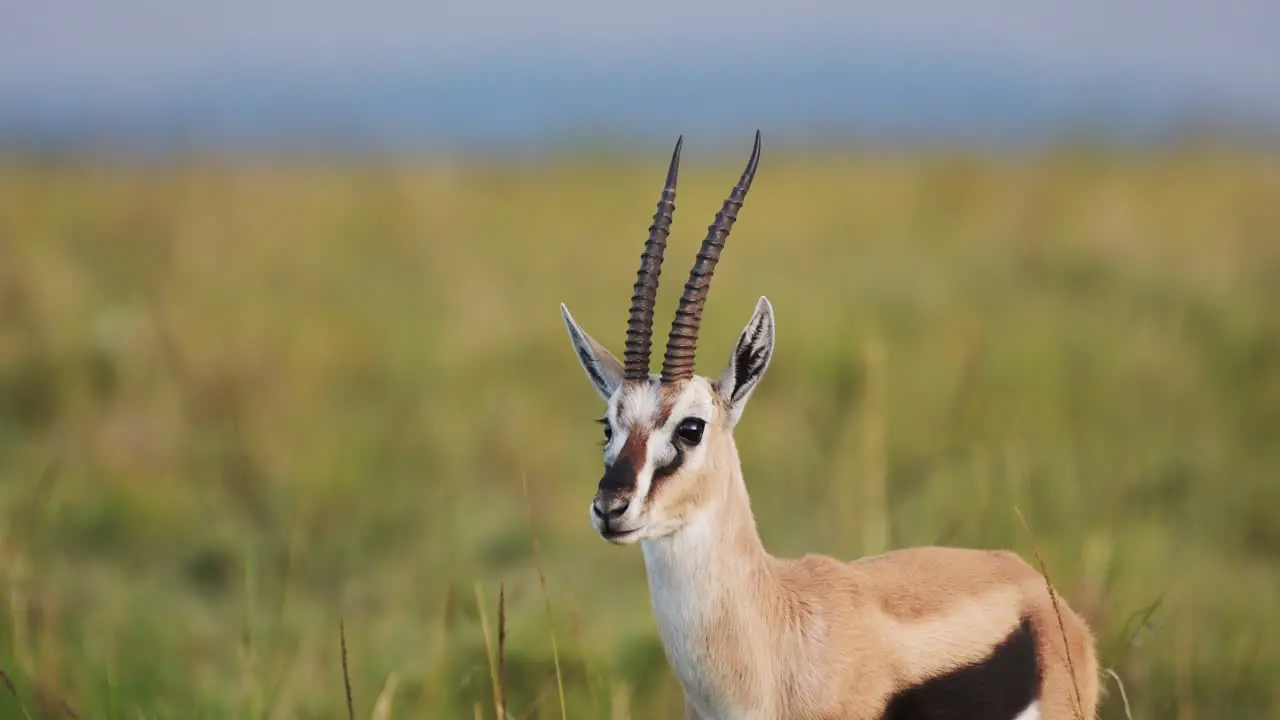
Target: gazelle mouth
x=619, y=537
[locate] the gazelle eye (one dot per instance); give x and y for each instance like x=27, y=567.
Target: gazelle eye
x=608, y=430
x=690, y=430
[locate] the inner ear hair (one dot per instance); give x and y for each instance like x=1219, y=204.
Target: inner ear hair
x=751, y=355
x=748, y=361
x=603, y=369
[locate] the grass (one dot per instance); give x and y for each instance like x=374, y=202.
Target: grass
x=247, y=407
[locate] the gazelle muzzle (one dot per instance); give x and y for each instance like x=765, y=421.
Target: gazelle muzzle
x=617, y=489
x=614, y=509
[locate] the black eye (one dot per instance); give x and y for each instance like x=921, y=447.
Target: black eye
x=690, y=430
x=608, y=430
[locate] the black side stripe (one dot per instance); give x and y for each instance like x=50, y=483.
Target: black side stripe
x=998, y=687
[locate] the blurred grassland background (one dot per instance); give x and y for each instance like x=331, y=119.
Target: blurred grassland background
x=243, y=400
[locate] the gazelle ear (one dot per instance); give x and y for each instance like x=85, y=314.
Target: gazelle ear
x=603, y=369
x=748, y=362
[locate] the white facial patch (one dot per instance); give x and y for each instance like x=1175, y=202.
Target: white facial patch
x=629, y=408
x=636, y=407
x=695, y=401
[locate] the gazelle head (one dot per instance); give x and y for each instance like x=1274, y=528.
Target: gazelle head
x=668, y=439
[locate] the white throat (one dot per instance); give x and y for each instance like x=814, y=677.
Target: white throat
x=686, y=594
x=683, y=575
x=701, y=587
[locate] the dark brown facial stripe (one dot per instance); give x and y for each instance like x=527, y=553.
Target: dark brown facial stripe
x=665, y=408
x=671, y=468
x=999, y=687
x=618, y=477
x=621, y=475
x=634, y=449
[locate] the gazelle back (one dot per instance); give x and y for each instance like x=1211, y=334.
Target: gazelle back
x=922, y=633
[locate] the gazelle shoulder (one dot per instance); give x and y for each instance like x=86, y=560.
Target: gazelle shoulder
x=910, y=583
x=925, y=571
x=923, y=581
x=935, y=558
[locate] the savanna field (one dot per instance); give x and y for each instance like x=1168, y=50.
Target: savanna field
x=244, y=401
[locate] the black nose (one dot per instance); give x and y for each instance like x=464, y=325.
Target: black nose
x=610, y=507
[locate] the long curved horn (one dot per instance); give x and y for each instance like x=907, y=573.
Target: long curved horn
x=682, y=343
x=645, y=293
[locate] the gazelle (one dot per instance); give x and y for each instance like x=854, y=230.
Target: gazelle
x=922, y=633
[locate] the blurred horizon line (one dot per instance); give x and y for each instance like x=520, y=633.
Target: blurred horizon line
x=525, y=100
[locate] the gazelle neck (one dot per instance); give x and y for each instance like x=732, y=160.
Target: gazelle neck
x=712, y=587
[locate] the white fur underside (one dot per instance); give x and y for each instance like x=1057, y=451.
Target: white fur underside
x=1031, y=713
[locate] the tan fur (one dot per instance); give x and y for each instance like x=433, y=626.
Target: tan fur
x=817, y=638
x=754, y=637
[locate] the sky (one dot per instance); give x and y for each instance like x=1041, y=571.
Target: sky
x=1228, y=43
x=119, y=47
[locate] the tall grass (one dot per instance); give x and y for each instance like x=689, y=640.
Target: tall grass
x=244, y=403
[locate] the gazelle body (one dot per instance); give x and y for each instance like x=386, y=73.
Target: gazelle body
x=923, y=633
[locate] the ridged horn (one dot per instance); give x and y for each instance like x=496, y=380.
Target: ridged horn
x=645, y=292
x=682, y=344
